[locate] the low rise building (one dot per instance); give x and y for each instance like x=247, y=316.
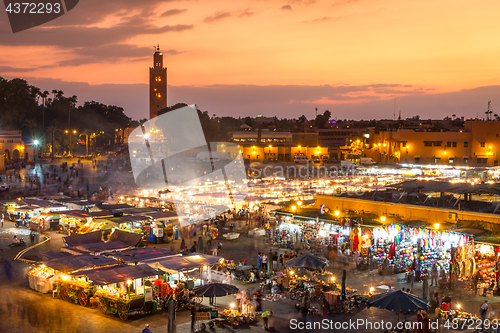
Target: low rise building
x=477, y=144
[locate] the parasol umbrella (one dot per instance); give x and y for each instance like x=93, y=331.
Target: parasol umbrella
x=200, y=245
x=171, y=316
x=342, y=292
x=398, y=300
x=183, y=244
x=216, y=290
x=309, y=262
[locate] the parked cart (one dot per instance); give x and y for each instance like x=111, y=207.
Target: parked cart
x=122, y=306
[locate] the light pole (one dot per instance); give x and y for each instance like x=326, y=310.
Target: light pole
x=35, y=143
x=67, y=132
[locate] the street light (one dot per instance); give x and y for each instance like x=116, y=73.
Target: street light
x=35, y=143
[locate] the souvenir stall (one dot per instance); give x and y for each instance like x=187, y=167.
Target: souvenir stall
x=359, y=239
x=400, y=247
x=463, y=263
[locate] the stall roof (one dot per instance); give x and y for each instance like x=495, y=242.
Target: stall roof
x=91, y=237
x=42, y=203
x=129, y=238
x=72, y=263
x=102, y=246
x=71, y=200
x=124, y=219
x=444, y=186
x=117, y=206
x=183, y=263
x=75, y=213
x=47, y=256
x=162, y=215
x=142, y=210
x=119, y=273
x=140, y=254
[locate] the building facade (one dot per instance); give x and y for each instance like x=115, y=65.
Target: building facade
x=157, y=85
x=14, y=149
x=477, y=144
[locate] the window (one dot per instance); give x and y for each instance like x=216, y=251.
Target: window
x=482, y=160
x=466, y=160
x=158, y=78
x=448, y=144
x=437, y=143
x=483, y=144
x=10, y=141
x=417, y=160
x=437, y=160
x=158, y=95
x=428, y=143
x=466, y=144
x=454, y=144
x=451, y=160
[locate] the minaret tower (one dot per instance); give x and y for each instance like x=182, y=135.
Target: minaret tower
x=157, y=85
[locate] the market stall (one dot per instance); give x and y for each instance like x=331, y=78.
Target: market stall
x=122, y=289
x=399, y=248
x=179, y=267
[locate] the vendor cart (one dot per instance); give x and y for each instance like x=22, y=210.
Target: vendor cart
x=77, y=291
x=231, y=236
x=123, y=306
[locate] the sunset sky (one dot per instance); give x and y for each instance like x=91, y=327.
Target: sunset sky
x=271, y=57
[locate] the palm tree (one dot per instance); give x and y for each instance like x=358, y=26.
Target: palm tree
x=72, y=102
x=31, y=124
x=43, y=95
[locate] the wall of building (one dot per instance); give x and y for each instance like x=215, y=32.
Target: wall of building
x=477, y=144
x=305, y=139
x=12, y=146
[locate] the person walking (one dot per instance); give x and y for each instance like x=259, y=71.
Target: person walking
x=265, y=316
x=259, y=259
x=146, y=329
x=1, y=219
x=356, y=258
x=411, y=277
x=483, y=310
x=434, y=275
x=193, y=316
x=281, y=262
x=264, y=261
x=476, y=281
x=425, y=287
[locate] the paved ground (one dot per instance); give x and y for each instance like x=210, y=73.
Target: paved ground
x=25, y=310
